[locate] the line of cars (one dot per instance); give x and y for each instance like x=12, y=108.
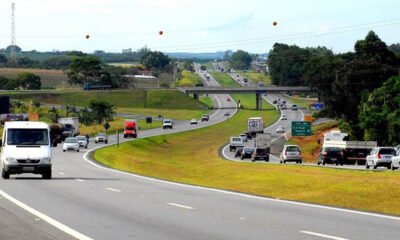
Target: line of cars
x=78, y=142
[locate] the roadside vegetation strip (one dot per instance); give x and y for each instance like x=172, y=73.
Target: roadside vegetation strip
x=192, y=158
x=177, y=114
x=136, y=98
x=257, y=77
x=224, y=79
x=302, y=102
x=189, y=79
x=309, y=144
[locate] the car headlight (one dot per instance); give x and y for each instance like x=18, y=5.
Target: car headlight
x=46, y=159
x=11, y=160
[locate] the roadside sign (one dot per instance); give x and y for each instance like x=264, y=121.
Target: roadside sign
x=301, y=128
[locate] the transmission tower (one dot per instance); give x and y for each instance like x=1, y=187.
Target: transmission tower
x=13, y=53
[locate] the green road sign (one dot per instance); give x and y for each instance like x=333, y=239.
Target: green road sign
x=301, y=128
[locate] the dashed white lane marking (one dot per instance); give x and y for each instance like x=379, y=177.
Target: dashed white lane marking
x=80, y=180
x=61, y=173
x=113, y=189
x=180, y=206
x=323, y=235
x=46, y=218
x=243, y=218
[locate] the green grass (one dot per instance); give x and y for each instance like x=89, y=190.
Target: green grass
x=209, y=66
x=178, y=114
x=247, y=101
x=139, y=98
x=116, y=124
x=188, y=79
x=256, y=77
x=303, y=103
x=193, y=158
x=224, y=79
x=207, y=101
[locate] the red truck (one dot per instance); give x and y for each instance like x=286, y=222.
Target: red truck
x=130, y=128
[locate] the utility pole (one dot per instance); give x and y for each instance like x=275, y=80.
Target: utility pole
x=13, y=52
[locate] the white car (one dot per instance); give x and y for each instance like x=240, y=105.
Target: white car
x=71, y=144
x=396, y=160
x=284, y=117
x=193, y=121
x=101, y=137
x=380, y=156
x=83, y=141
x=291, y=153
x=280, y=129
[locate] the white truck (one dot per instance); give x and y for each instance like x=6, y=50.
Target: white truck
x=26, y=148
x=355, y=152
x=254, y=125
x=71, y=126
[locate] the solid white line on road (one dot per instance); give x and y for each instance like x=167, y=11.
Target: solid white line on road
x=80, y=180
x=180, y=206
x=46, y=218
x=323, y=235
x=113, y=189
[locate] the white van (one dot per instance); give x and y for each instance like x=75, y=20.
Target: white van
x=26, y=148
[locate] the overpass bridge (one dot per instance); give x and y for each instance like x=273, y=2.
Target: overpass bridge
x=258, y=91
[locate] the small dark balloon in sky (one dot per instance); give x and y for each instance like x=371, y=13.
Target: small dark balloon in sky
x=274, y=23
x=87, y=36
x=161, y=32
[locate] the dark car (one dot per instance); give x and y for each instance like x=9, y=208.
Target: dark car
x=238, y=151
x=247, y=152
x=333, y=155
x=260, y=153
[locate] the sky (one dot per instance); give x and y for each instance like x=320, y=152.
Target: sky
x=196, y=25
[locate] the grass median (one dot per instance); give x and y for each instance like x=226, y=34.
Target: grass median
x=193, y=158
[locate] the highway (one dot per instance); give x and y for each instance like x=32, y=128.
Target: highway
x=87, y=201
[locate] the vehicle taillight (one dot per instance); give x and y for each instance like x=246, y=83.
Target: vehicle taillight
x=324, y=154
x=285, y=153
x=341, y=153
x=378, y=156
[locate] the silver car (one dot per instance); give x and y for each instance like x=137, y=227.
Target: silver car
x=291, y=153
x=380, y=156
x=71, y=144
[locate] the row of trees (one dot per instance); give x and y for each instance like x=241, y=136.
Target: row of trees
x=345, y=82
x=27, y=81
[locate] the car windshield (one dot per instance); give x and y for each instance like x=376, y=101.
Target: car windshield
x=81, y=138
x=27, y=137
x=71, y=140
x=101, y=134
x=333, y=149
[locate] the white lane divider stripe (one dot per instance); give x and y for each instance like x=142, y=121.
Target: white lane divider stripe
x=180, y=206
x=46, y=218
x=323, y=235
x=61, y=173
x=80, y=180
x=113, y=189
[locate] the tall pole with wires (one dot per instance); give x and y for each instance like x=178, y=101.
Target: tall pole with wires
x=13, y=50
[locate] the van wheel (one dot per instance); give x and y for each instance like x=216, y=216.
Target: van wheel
x=77, y=150
x=5, y=174
x=374, y=166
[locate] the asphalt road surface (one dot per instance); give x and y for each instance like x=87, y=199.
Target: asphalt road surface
x=87, y=201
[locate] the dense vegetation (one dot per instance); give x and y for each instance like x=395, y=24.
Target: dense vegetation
x=342, y=80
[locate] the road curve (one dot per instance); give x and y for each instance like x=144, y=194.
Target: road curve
x=101, y=203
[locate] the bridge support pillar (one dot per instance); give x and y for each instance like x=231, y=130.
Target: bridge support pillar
x=258, y=101
x=196, y=96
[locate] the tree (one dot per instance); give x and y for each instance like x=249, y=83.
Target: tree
x=3, y=60
x=86, y=116
x=240, y=60
x=102, y=110
x=286, y=64
x=86, y=69
x=7, y=84
x=28, y=81
x=155, y=60
x=380, y=113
